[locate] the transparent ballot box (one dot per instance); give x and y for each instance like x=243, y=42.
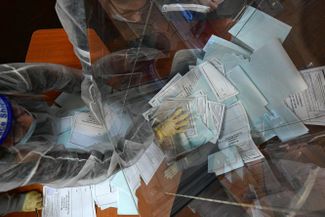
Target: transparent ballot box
x=213, y=108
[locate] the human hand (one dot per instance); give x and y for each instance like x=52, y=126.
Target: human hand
x=33, y=200
x=177, y=123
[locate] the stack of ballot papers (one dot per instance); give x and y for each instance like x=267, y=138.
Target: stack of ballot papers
x=80, y=201
x=309, y=105
x=235, y=143
x=242, y=94
x=118, y=191
x=274, y=98
x=262, y=73
x=264, y=76
x=68, y=202
x=199, y=93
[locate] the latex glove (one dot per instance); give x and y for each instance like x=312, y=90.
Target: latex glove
x=171, y=171
x=33, y=200
x=177, y=123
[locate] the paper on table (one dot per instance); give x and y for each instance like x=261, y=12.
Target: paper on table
x=218, y=64
x=236, y=132
x=108, y=200
x=201, y=105
x=132, y=176
x=271, y=69
x=104, y=194
x=256, y=28
x=85, y=123
x=149, y=162
x=224, y=161
x=219, y=84
x=254, y=103
x=215, y=118
x=157, y=99
x=127, y=201
x=190, y=83
x=86, y=131
x=68, y=202
x=217, y=47
x=309, y=105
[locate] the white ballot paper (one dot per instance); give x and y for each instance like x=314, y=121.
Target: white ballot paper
x=182, y=87
x=215, y=116
x=117, y=192
x=218, y=47
x=157, y=99
x=132, y=176
x=216, y=62
x=127, y=203
x=256, y=28
x=236, y=132
x=86, y=131
x=309, y=105
x=68, y=202
x=224, y=161
x=219, y=84
x=105, y=195
x=149, y=162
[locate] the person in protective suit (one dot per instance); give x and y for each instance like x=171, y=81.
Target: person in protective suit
x=30, y=152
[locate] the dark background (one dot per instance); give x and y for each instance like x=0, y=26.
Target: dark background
x=18, y=20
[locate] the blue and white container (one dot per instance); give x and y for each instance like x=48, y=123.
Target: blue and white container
x=5, y=118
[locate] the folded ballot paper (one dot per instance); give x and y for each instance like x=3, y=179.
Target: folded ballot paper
x=256, y=28
x=200, y=93
x=309, y=105
x=243, y=88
